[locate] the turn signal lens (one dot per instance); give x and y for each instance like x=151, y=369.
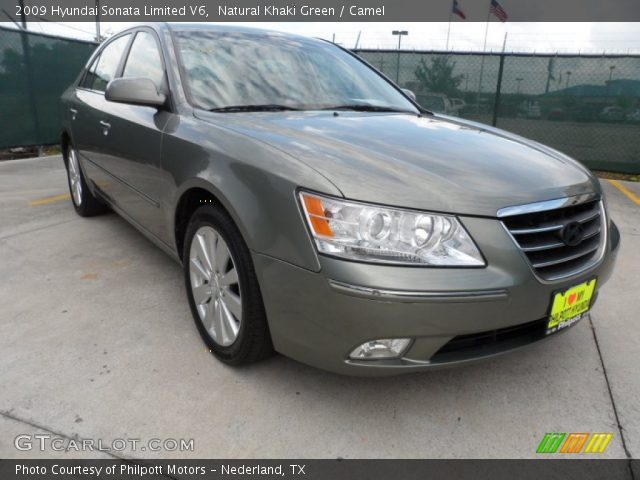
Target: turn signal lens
x=316, y=215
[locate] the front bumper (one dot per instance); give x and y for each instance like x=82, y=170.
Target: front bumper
x=318, y=318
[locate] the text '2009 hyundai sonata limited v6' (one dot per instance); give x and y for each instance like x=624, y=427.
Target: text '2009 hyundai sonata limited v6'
x=318, y=211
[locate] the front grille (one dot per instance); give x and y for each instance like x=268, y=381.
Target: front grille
x=540, y=236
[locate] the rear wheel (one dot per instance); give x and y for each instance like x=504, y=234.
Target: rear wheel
x=223, y=290
x=85, y=204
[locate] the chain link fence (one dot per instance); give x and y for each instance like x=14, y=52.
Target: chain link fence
x=34, y=71
x=586, y=106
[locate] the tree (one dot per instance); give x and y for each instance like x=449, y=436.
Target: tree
x=438, y=77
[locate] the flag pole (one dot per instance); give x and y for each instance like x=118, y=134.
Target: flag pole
x=484, y=49
x=449, y=28
x=486, y=29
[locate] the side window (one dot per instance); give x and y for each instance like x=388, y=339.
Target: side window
x=90, y=76
x=107, y=64
x=144, y=59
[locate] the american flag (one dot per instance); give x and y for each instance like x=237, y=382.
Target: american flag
x=456, y=10
x=498, y=11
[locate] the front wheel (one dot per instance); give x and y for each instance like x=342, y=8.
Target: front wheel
x=85, y=204
x=223, y=290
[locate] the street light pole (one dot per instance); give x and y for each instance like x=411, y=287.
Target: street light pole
x=568, y=78
x=611, y=69
x=399, y=33
x=519, y=80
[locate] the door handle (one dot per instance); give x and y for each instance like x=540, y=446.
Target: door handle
x=74, y=113
x=105, y=127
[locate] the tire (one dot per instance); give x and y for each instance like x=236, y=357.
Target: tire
x=85, y=204
x=229, y=314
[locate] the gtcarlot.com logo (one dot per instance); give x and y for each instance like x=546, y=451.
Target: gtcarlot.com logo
x=574, y=443
x=46, y=442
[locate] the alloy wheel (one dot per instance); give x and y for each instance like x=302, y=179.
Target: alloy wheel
x=215, y=286
x=74, y=177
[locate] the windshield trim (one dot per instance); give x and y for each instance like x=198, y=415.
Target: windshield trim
x=186, y=89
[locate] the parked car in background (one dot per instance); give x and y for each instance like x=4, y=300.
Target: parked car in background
x=316, y=210
x=437, y=102
x=458, y=105
x=634, y=117
x=583, y=113
x=557, y=114
x=612, y=114
x=530, y=109
x=482, y=106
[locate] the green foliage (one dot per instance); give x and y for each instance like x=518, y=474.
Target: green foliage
x=438, y=76
x=624, y=102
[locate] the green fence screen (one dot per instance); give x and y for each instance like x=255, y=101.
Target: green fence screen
x=34, y=71
x=586, y=106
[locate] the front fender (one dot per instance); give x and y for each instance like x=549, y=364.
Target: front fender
x=256, y=183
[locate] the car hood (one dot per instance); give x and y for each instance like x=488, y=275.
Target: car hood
x=431, y=163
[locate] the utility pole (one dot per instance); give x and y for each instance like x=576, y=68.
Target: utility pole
x=611, y=68
x=399, y=33
x=23, y=17
x=550, y=66
x=98, y=21
x=449, y=29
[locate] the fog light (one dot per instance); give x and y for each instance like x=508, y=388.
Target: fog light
x=383, y=348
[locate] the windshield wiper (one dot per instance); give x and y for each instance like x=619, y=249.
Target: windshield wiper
x=365, y=107
x=270, y=107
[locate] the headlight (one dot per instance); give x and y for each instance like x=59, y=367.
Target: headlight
x=371, y=233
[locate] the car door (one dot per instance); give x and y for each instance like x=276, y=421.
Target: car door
x=85, y=114
x=132, y=137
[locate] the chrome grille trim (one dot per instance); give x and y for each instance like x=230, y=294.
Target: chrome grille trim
x=526, y=231
x=547, y=205
x=537, y=233
x=558, y=244
x=539, y=248
x=575, y=256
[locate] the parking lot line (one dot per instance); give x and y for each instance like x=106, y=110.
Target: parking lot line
x=48, y=200
x=628, y=193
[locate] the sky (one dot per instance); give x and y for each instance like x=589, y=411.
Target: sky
x=468, y=36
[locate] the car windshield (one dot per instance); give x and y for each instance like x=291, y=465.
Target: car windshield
x=227, y=70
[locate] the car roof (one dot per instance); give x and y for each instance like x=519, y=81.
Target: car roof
x=161, y=27
x=225, y=28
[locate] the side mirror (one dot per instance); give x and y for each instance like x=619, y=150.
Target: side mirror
x=409, y=94
x=138, y=91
